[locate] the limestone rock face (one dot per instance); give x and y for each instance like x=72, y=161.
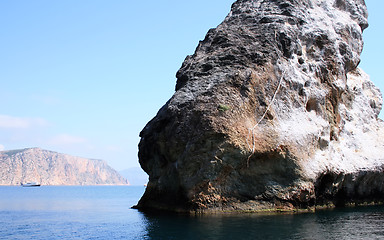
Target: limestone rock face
x=52, y=168
x=270, y=112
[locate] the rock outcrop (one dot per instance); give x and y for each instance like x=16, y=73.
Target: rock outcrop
x=52, y=168
x=270, y=112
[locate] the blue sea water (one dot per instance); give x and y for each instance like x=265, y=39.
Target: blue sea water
x=104, y=212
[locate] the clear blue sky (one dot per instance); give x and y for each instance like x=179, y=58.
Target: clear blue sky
x=84, y=77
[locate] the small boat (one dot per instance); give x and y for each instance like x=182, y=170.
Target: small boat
x=30, y=184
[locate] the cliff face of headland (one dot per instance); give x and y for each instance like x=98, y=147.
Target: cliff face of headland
x=52, y=168
x=270, y=112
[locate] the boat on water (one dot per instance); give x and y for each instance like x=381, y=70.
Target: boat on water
x=30, y=184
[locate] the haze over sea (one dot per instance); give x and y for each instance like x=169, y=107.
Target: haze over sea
x=104, y=212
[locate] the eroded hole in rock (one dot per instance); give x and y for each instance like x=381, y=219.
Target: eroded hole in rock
x=323, y=143
x=343, y=48
x=372, y=103
x=302, y=92
x=312, y=105
x=324, y=183
x=340, y=4
x=206, y=67
x=269, y=115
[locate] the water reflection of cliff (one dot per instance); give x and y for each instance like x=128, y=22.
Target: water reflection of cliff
x=355, y=223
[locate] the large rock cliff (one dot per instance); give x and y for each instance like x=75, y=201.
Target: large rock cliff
x=52, y=168
x=270, y=112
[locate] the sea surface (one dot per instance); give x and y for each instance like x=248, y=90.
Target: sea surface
x=104, y=212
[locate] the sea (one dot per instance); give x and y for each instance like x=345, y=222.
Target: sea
x=104, y=212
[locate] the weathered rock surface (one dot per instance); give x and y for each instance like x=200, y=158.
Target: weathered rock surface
x=270, y=112
x=52, y=168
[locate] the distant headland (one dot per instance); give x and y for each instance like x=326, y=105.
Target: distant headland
x=51, y=168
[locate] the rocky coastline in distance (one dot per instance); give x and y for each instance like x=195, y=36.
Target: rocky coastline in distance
x=51, y=168
x=271, y=113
